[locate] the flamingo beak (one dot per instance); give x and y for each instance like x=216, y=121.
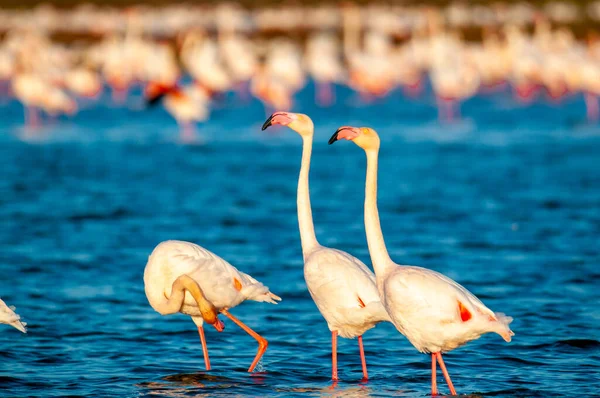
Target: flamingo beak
x=344, y=133
x=155, y=92
x=281, y=118
x=219, y=325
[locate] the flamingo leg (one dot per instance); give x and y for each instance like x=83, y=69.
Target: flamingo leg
x=204, y=348
x=446, y=375
x=188, y=132
x=324, y=94
x=434, y=390
x=449, y=110
x=592, y=108
x=31, y=116
x=334, y=374
x=262, y=343
x=362, y=358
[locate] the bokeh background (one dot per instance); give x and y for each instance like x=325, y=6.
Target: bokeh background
x=122, y=125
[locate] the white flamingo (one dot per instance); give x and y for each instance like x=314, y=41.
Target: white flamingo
x=9, y=317
x=435, y=313
x=188, y=105
x=184, y=277
x=342, y=287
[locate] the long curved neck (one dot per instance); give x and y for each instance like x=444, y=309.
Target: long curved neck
x=379, y=255
x=305, y=220
x=175, y=301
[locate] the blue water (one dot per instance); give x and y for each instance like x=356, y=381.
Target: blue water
x=506, y=201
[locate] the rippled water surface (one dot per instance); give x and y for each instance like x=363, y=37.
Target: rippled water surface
x=506, y=201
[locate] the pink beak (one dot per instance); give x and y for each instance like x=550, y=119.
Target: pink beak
x=344, y=133
x=281, y=118
x=219, y=325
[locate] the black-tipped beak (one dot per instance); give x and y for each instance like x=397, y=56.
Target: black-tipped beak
x=154, y=100
x=267, y=123
x=334, y=137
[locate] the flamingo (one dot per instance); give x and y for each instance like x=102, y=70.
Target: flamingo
x=9, y=317
x=184, y=277
x=187, y=105
x=342, y=287
x=435, y=313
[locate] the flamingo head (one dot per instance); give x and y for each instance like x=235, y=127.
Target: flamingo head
x=298, y=122
x=364, y=137
x=209, y=314
x=155, y=91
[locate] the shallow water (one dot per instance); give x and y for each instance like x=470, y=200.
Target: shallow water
x=506, y=201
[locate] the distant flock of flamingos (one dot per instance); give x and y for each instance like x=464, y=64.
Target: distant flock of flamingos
x=373, y=50
x=432, y=311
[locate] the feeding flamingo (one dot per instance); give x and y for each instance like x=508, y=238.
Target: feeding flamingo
x=342, y=287
x=184, y=277
x=9, y=317
x=435, y=313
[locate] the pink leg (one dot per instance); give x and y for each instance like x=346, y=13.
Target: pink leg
x=204, y=348
x=188, y=132
x=591, y=105
x=32, y=116
x=243, y=91
x=365, y=97
x=456, y=110
x=434, y=390
x=445, y=372
x=119, y=94
x=362, y=358
x=334, y=375
x=449, y=110
x=444, y=109
x=262, y=343
x=324, y=94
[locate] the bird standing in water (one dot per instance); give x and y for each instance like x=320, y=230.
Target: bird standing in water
x=342, y=287
x=184, y=277
x=435, y=313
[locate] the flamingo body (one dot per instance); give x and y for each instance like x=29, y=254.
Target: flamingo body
x=216, y=277
x=344, y=290
x=435, y=313
x=184, y=277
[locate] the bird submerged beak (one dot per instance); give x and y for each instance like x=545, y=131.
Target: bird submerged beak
x=344, y=133
x=281, y=118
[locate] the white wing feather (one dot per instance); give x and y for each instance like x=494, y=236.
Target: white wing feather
x=9, y=317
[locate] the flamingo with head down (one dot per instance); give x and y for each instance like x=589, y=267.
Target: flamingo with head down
x=184, y=277
x=342, y=287
x=435, y=313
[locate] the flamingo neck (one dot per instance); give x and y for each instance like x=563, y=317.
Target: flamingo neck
x=305, y=220
x=379, y=254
